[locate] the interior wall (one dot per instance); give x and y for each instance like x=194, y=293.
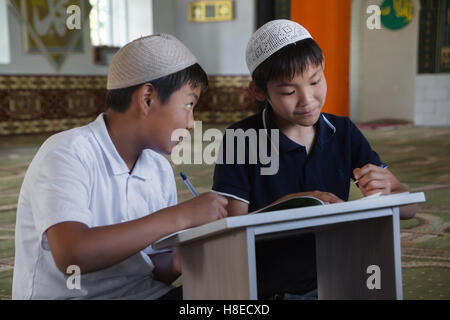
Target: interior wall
x=218, y=46
x=35, y=98
x=432, y=100
x=5, y=54
x=220, y=49
x=163, y=17
x=387, y=67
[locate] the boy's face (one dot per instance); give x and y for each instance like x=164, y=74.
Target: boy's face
x=298, y=101
x=164, y=119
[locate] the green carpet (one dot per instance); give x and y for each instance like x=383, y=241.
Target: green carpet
x=420, y=157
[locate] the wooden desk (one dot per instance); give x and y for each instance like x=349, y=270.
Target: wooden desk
x=218, y=258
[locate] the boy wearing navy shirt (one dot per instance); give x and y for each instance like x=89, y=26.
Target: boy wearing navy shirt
x=317, y=153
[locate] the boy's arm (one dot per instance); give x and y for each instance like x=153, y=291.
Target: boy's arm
x=167, y=265
x=236, y=207
x=93, y=249
x=374, y=179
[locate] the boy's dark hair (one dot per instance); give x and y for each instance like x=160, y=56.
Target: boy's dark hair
x=120, y=99
x=287, y=62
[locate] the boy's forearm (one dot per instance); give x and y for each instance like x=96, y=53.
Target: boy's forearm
x=93, y=249
x=409, y=211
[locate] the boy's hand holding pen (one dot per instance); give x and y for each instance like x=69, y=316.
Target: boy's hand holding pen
x=205, y=207
x=372, y=179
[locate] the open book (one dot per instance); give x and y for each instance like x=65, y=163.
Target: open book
x=297, y=202
x=302, y=201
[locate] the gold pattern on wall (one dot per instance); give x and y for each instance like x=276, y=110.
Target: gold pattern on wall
x=48, y=104
x=41, y=126
x=52, y=82
x=227, y=100
x=210, y=11
x=80, y=103
x=23, y=105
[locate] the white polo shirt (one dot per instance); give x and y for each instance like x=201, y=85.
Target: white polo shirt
x=78, y=175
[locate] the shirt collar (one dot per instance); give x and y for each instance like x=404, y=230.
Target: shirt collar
x=145, y=165
x=324, y=132
x=112, y=156
x=326, y=129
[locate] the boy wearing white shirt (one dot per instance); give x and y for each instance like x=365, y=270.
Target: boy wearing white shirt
x=95, y=198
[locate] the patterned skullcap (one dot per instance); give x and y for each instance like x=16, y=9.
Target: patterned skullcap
x=270, y=38
x=147, y=59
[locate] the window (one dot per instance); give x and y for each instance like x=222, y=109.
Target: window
x=117, y=22
x=5, y=55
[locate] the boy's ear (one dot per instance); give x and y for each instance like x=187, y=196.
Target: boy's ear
x=146, y=96
x=257, y=92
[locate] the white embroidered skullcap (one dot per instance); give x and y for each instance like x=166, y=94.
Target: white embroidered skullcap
x=147, y=59
x=270, y=38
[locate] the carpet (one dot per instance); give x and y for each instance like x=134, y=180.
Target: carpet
x=419, y=157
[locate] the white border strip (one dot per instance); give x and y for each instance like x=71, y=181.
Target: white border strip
x=329, y=123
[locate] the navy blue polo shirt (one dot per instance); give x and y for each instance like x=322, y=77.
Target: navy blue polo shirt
x=338, y=149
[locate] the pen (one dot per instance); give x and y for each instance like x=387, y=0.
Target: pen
x=383, y=165
x=188, y=184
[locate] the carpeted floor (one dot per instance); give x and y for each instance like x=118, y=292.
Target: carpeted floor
x=420, y=157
